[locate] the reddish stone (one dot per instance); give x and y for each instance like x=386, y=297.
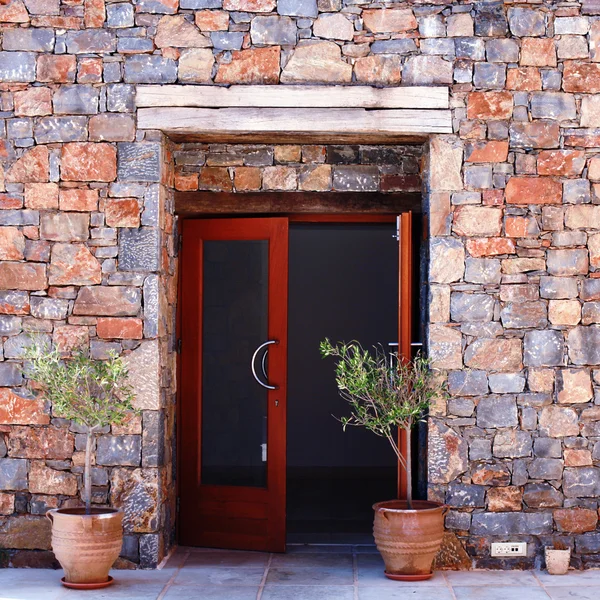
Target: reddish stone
x=399, y=183
x=524, y=79
x=122, y=212
x=34, y=102
x=25, y=532
x=536, y=134
x=564, y=163
x=119, y=328
x=37, y=251
x=494, y=151
x=212, y=20
x=22, y=276
x=584, y=138
x=575, y=520
x=185, y=182
x=40, y=442
x=533, y=190
x=14, y=303
x=558, y=421
x=12, y=243
x=247, y=179
x=389, y=20
x=538, y=52
x=253, y=66
x=581, y=77
x=177, y=32
x=502, y=355
x=112, y=301
x=79, y=200
x=44, y=480
x=32, y=167
x=493, y=197
x=90, y=70
x=477, y=221
x=56, y=68
x=7, y=503
x=73, y=264
x=8, y=202
x=313, y=154
x=13, y=12
x=86, y=161
x=94, y=13
x=378, y=70
x=491, y=475
x=578, y=457
x=16, y=410
x=215, y=179
x=520, y=227
x=41, y=196
x=69, y=337
x=58, y=22
x=479, y=247
x=31, y=232
x=490, y=105
x=250, y=5
x=109, y=127
x=505, y=499
x=280, y=178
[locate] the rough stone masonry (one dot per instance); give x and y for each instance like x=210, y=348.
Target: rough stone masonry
x=87, y=251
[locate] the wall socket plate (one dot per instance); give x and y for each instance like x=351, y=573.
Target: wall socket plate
x=509, y=549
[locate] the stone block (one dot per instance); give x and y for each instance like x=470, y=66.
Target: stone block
x=447, y=260
x=119, y=15
x=26, y=276
x=463, y=495
x=448, y=453
x=274, y=31
x=511, y=523
x=547, y=448
x=150, y=69
x=497, y=411
x=522, y=315
x=320, y=62
x=506, y=383
x=495, y=355
x=64, y=227
x=50, y=130
x=13, y=474
x=25, y=532
x=18, y=67
x=389, y=20
x=581, y=482
x=558, y=421
x=504, y=499
x=88, y=162
x=50, y=443
x=471, y=307
x=144, y=374
x=114, y=301
x=535, y=134
x=137, y=493
x=123, y=450
x=427, y=70
x=542, y=495
x=543, y=348
x=139, y=162
x=467, y=383
x=44, y=480
x=573, y=386
x=584, y=345
x=252, y=66
x=91, y=41
x=445, y=347
x=546, y=468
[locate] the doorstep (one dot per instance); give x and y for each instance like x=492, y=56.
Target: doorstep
x=305, y=572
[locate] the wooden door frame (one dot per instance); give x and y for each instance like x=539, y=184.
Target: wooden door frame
x=380, y=214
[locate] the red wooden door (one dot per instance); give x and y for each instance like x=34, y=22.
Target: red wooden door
x=233, y=383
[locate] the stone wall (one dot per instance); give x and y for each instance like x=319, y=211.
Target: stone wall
x=88, y=255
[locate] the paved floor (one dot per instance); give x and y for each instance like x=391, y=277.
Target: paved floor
x=304, y=573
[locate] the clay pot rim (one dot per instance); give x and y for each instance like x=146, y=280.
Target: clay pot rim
x=432, y=506
x=97, y=512
x=553, y=549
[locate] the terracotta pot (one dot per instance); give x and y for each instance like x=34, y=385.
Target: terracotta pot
x=408, y=540
x=86, y=546
x=557, y=561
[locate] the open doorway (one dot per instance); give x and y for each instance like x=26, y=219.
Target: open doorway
x=343, y=284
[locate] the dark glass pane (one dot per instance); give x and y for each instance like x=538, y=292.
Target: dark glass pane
x=234, y=405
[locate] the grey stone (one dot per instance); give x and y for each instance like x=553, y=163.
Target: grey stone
x=576, y=191
x=497, y=411
x=227, y=40
x=3, y=450
x=506, y=383
x=471, y=48
x=590, y=313
x=480, y=449
x=199, y=4
x=76, y=100
x=528, y=419
x=119, y=15
x=502, y=51
x=569, y=238
x=297, y=8
x=458, y=520
x=19, y=128
x=151, y=214
x=149, y=546
x=490, y=19
x=482, y=270
x=489, y=75
x=465, y=495
x=526, y=22
x=546, y=468
x=346, y=155
x=461, y=407
x=515, y=523
x=427, y=70
x=584, y=345
x=512, y=444
x=471, y=307
x=543, y=348
x=139, y=249
x=581, y=482
x=112, y=72
x=467, y=382
x=155, y=7
x=520, y=315
x=551, y=79
x=401, y=46
x=547, y=448
x=50, y=130
x=131, y=548
x=10, y=325
x=273, y=30
x=548, y=105
x=17, y=67
x=151, y=306
x=97, y=41
x=519, y=472
x=590, y=289
x=542, y=495
x=438, y=46
x=478, y=177
x=153, y=434
x=119, y=450
x=150, y=69
x=356, y=178
x=120, y=97
x=134, y=45
x=19, y=217
x=13, y=474
x=49, y=308
x=10, y=374
x=139, y=161
x=14, y=346
x=587, y=543
x=100, y=350
x=432, y=26
x=460, y=198
x=447, y=453
x=30, y=39
x=558, y=288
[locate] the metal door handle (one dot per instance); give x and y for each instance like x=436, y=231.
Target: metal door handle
x=253, y=365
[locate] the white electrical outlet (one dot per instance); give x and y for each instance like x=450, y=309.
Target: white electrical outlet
x=509, y=549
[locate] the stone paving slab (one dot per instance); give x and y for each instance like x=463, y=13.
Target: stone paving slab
x=303, y=573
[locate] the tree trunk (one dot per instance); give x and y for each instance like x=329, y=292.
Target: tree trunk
x=87, y=472
x=408, y=469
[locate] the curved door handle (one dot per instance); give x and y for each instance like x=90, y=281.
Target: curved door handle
x=253, y=365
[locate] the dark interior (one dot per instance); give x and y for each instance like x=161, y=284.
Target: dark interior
x=344, y=286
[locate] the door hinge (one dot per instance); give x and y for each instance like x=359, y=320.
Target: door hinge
x=179, y=243
x=178, y=506
x=396, y=236
x=178, y=346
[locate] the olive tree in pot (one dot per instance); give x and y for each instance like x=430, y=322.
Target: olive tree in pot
x=385, y=395
x=93, y=393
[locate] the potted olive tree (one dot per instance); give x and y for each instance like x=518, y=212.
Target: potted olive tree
x=385, y=395
x=92, y=393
